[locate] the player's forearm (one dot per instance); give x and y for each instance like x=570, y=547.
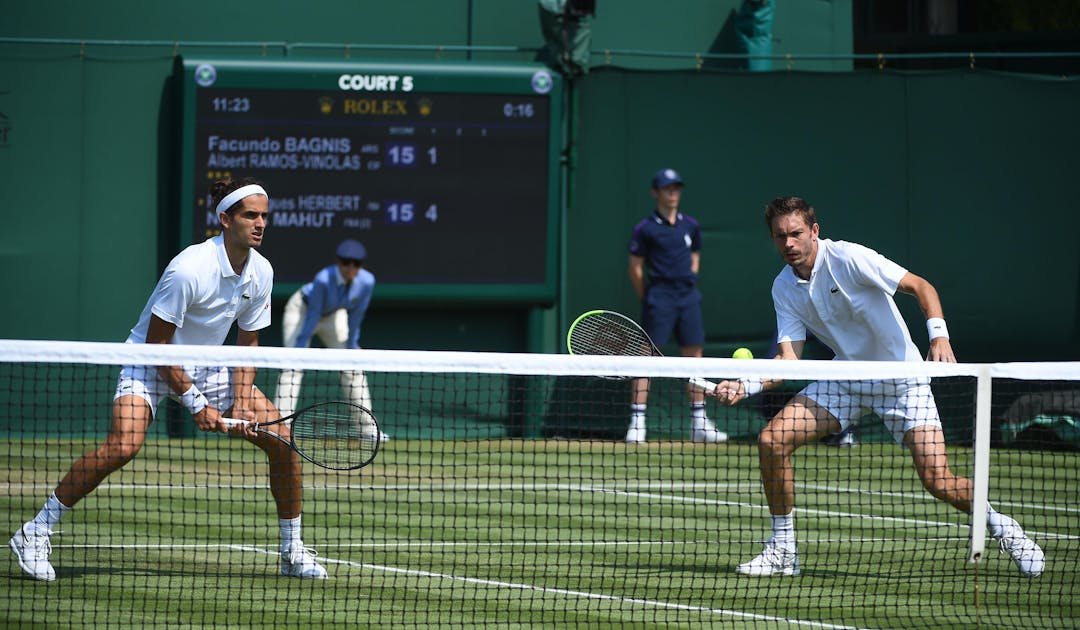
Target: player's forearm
x=175, y=377
x=925, y=293
x=772, y=383
x=636, y=271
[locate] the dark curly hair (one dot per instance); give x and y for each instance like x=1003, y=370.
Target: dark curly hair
x=222, y=187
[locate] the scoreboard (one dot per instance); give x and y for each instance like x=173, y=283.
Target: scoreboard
x=448, y=173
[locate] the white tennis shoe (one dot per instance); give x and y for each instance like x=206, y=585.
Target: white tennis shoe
x=774, y=560
x=707, y=433
x=635, y=435
x=299, y=561
x=32, y=551
x=1027, y=555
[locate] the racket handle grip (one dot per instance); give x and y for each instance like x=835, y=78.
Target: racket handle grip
x=701, y=383
x=232, y=422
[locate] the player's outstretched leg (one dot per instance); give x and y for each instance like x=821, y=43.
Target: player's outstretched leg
x=927, y=446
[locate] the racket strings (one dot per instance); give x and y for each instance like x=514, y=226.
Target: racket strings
x=604, y=334
x=338, y=435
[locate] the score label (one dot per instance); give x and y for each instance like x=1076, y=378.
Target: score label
x=446, y=174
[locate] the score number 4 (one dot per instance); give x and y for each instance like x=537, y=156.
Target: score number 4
x=405, y=212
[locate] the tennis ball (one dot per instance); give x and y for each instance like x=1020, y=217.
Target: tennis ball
x=742, y=353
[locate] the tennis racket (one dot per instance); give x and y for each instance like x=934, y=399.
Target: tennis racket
x=614, y=334
x=336, y=435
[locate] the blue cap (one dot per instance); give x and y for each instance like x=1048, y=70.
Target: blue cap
x=666, y=177
x=351, y=249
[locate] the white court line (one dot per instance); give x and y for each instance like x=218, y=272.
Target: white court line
x=651, y=603
x=496, y=544
x=927, y=496
x=605, y=490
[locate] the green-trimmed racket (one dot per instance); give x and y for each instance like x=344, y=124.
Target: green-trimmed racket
x=614, y=334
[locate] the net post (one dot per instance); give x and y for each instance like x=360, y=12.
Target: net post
x=981, y=477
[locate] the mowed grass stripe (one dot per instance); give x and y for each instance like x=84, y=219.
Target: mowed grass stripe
x=585, y=518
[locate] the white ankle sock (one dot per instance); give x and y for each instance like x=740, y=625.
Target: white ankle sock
x=49, y=516
x=637, y=416
x=783, y=528
x=290, y=532
x=697, y=415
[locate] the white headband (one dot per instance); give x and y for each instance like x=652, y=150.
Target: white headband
x=240, y=193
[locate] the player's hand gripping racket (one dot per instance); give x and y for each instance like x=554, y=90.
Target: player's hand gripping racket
x=614, y=334
x=337, y=435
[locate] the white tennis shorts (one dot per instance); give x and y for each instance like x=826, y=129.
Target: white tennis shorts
x=902, y=404
x=215, y=383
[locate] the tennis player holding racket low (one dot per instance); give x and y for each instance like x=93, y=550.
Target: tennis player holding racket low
x=843, y=293
x=203, y=290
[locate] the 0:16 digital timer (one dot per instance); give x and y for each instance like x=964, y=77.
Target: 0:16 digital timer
x=518, y=110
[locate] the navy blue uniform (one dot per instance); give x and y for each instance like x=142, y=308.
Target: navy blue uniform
x=672, y=302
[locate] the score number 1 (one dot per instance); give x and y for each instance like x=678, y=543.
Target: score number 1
x=405, y=212
x=405, y=154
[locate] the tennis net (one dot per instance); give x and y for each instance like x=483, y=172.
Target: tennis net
x=506, y=496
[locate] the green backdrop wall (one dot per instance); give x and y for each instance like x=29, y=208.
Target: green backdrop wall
x=963, y=176
x=87, y=155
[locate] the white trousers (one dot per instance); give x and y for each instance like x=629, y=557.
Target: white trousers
x=333, y=331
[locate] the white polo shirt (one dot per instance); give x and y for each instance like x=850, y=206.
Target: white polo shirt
x=203, y=296
x=847, y=303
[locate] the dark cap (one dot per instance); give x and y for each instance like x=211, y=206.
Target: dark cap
x=351, y=249
x=666, y=177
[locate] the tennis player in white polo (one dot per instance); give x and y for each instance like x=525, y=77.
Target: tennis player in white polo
x=201, y=293
x=843, y=293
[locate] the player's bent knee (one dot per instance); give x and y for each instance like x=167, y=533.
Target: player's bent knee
x=274, y=448
x=116, y=454
x=772, y=442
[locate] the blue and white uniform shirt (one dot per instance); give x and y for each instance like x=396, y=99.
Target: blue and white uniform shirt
x=327, y=293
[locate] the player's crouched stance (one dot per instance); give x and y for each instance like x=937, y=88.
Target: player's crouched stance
x=203, y=291
x=31, y=541
x=843, y=293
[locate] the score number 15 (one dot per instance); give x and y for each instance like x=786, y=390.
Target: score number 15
x=405, y=154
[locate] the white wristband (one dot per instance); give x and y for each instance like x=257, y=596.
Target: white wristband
x=936, y=327
x=193, y=400
x=751, y=387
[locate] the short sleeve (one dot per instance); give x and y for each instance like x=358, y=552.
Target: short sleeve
x=639, y=243
x=174, y=294
x=789, y=327
x=869, y=268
